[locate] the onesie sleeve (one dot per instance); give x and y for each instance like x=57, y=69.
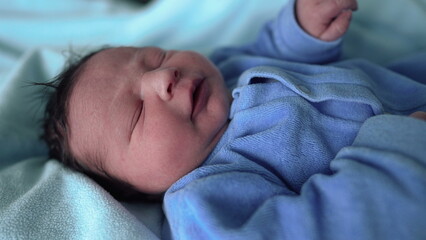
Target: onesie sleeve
x=377, y=190
x=283, y=38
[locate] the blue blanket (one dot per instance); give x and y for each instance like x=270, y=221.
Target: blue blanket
x=39, y=198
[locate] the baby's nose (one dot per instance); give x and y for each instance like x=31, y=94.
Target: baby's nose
x=166, y=82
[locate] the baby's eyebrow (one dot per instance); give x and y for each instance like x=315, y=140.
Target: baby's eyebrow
x=140, y=55
x=136, y=55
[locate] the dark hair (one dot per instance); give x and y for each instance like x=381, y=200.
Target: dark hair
x=56, y=130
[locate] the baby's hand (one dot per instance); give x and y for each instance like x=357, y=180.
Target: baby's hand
x=327, y=20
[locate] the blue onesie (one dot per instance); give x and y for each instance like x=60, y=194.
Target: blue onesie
x=315, y=148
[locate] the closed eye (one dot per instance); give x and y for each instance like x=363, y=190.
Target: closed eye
x=162, y=58
x=136, y=116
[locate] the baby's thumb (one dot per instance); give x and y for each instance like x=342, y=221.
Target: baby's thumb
x=337, y=27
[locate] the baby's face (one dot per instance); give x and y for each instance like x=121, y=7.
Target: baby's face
x=148, y=115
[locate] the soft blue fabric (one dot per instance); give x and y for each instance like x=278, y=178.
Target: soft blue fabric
x=55, y=203
x=311, y=151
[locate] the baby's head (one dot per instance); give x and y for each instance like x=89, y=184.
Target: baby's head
x=137, y=118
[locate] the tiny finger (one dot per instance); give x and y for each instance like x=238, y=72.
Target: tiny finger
x=337, y=27
x=332, y=8
x=346, y=4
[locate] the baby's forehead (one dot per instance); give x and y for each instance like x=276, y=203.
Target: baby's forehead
x=120, y=54
x=110, y=55
x=104, y=64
